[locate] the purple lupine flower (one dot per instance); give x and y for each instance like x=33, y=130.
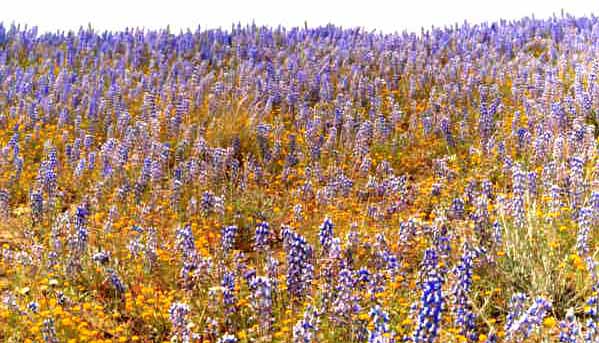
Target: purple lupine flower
x=486, y=122
x=262, y=132
x=464, y=316
x=385, y=260
x=594, y=201
x=78, y=241
x=101, y=257
x=529, y=320
x=185, y=242
x=261, y=299
x=381, y=333
x=80, y=168
x=363, y=139
x=497, y=233
x=591, y=334
x=457, y=208
x=178, y=313
x=91, y=158
x=325, y=235
x=569, y=328
x=516, y=309
x=4, y=203
x=207, y=202
x=33, y=307
x=37, y=206
x=48, y=173
x=300, y=270
x=585, y=218
x=576, y=179
x=345, y=303
x=227, y=338
x=555, y=203
x=432, y=301
x=304, y=331
x=532, y=183
x=518, y=193
x=262, y=236
x=116, y=281
x=228, y=235
x=88, y=141
x=298, y=212
x=229, y=297
x=49, y=331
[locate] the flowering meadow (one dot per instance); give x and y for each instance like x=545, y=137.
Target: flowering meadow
x=261, y=184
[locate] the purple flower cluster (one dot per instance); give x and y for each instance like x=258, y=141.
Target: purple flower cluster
x=522, y=323
x=178, y=313
x=432, y=300
x=305, y=330
x=300, y=270
x=228, y=235
x=381, y=333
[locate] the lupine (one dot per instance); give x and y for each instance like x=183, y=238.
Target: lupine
x=585, y=218
x=48, y=174
x=300, y=270
x=516, y=309
x=345, y=302
x=381, y=333
x=486, y=117
x=594, y=201
x=228, y=235
x=49, y=331
x=569, y=329
x=518, y=191
x=101, y=257
x=116, y=281
x=178, y=313
x=591, y=309
x=529, y=320
x=4, y=203
x=37, y=206
x=432, y=302
x=33, y=307
x=262, y=295
x=457, y=208
x=81, y=232
x=305, y=330
x=385, y=259
x=325, y=234
x=228, y=286
x=262, y=236
x=227, y=338
x=555, y=203
x=298, y=212
x=576, y=178
x=464, y=316
x=185, y=242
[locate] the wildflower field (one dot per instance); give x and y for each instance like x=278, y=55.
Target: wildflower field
x=262, y=184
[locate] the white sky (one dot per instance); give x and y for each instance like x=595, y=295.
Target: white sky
x=388, y=16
